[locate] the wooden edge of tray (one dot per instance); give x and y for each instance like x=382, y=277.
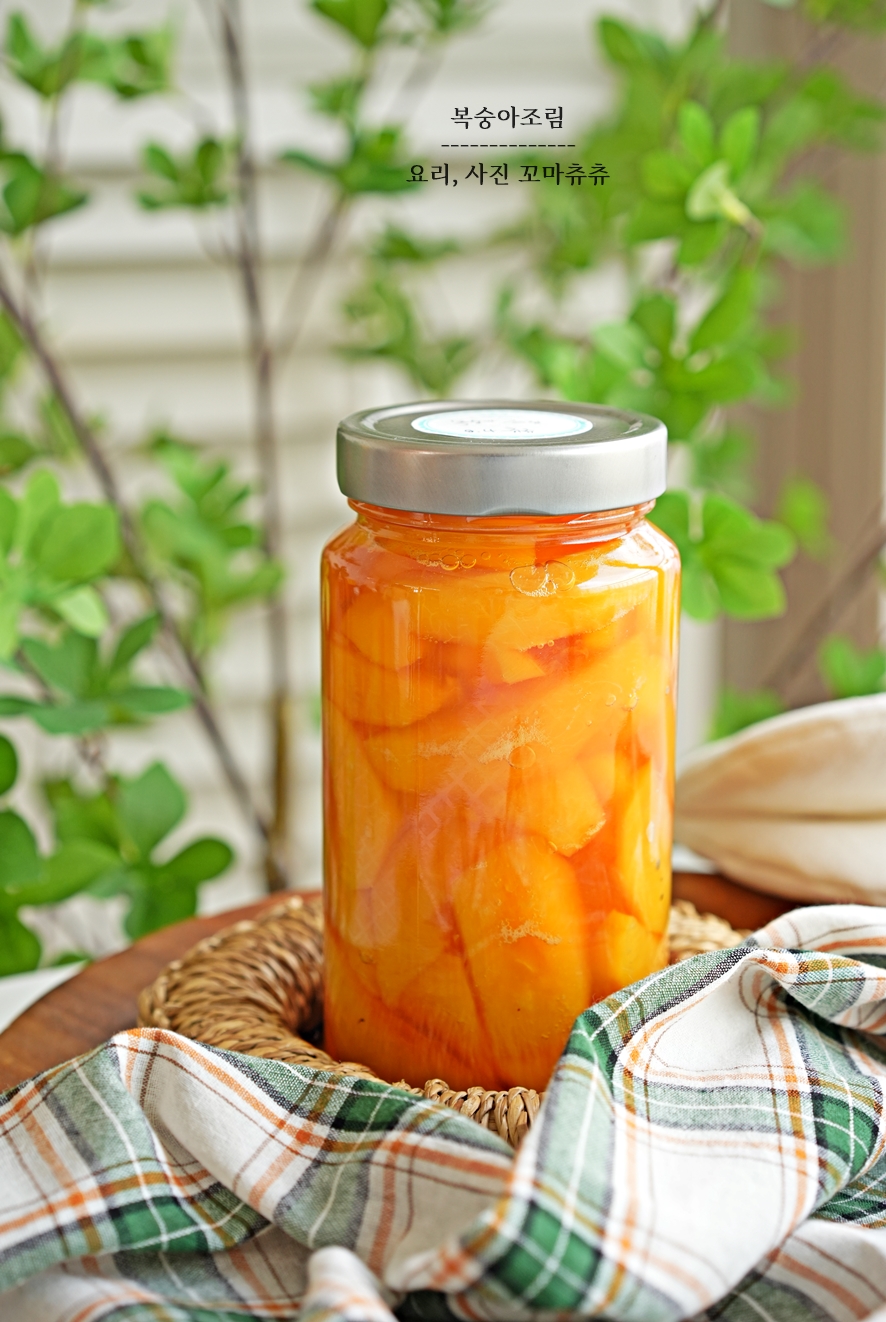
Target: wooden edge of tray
x=101, y=999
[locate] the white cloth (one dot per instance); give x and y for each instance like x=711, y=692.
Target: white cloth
x=21, y=990
x=795, y=805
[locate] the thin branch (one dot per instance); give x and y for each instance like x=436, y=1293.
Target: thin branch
x=97, y=460
x=300, y=298
x=248, y=256
x=834, y=605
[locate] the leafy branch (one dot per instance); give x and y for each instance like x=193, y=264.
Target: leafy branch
x=93, y=450
x=711, y=185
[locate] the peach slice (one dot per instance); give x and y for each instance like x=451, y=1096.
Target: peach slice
x=521, y=920
x=560, y=805
x=364, y=816
x=375, y=695
x=644, y=848
x=359, y=1027
x=442, y=1006
x=622, y=951
x=473, y=744
x=382, y=629
x=529, y=621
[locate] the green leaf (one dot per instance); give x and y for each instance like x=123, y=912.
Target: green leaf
x=849, y=672
x=15, y=452
x=79, y=717
x=807, y=227
x=375, y=163
x=155, y=904
x=31, y=196
x=448, y=17
x=632, y=48
x=149, y=700
x=150, y=807
x=737, y=710
x=723, y=380
x=338, y=98
x=729, y=314
x=803, y=507
x=20, y=949
x=10, y=347
x=38, y=506
x=18, y=850
x=362, y=19
x=395, y=245
x=8, y=764
x=84, y=610
x=81, y=817
x=11, y=609
x=791, y=128
x=666, y=175
x=8, y=520
x=133, y=640
x=46, y=71
x=199, y=180
x=391, y=330
x=654, y=219
x=203, y=540
x=657, y=318
x=729, y=555
x=81, y=542
x=69, y=871
x=12, y=705
x=68, y=666
x=622, y=342
x=711, y=197
x=131, y=66
x=701, y=242
x=696, y=129
x=722, y=463
x=200, y=861
x=739, y=138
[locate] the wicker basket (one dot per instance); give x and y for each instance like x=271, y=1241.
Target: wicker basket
x=257, y=988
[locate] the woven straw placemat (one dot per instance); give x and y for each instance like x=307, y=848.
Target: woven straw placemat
x=257, y=987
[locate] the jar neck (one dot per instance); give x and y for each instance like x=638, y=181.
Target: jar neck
x=600, y=526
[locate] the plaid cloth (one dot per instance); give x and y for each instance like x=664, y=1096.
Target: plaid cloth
x=713, y=1145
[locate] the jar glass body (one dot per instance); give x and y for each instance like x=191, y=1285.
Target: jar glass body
x=498, y=721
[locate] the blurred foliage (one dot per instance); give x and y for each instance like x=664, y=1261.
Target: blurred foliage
x=202, y=539
x=105, y=845
x=849, y=672
x=71, y=667
x=737, y=710
x=803, y=508
x=710, y=185
x=83, y=637
x=197, y=179
x=123, y=826
x=729, y=555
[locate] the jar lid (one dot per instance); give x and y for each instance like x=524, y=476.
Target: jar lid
x=499, y=456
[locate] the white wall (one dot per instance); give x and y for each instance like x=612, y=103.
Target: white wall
x=153, y=331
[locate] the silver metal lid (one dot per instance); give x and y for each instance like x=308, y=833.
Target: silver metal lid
x=500, y=456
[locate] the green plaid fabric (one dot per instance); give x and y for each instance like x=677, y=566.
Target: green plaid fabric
x=713, y=1145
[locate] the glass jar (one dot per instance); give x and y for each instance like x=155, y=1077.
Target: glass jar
x=498, y=718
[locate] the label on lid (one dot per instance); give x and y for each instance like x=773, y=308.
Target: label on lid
x=502, y=424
